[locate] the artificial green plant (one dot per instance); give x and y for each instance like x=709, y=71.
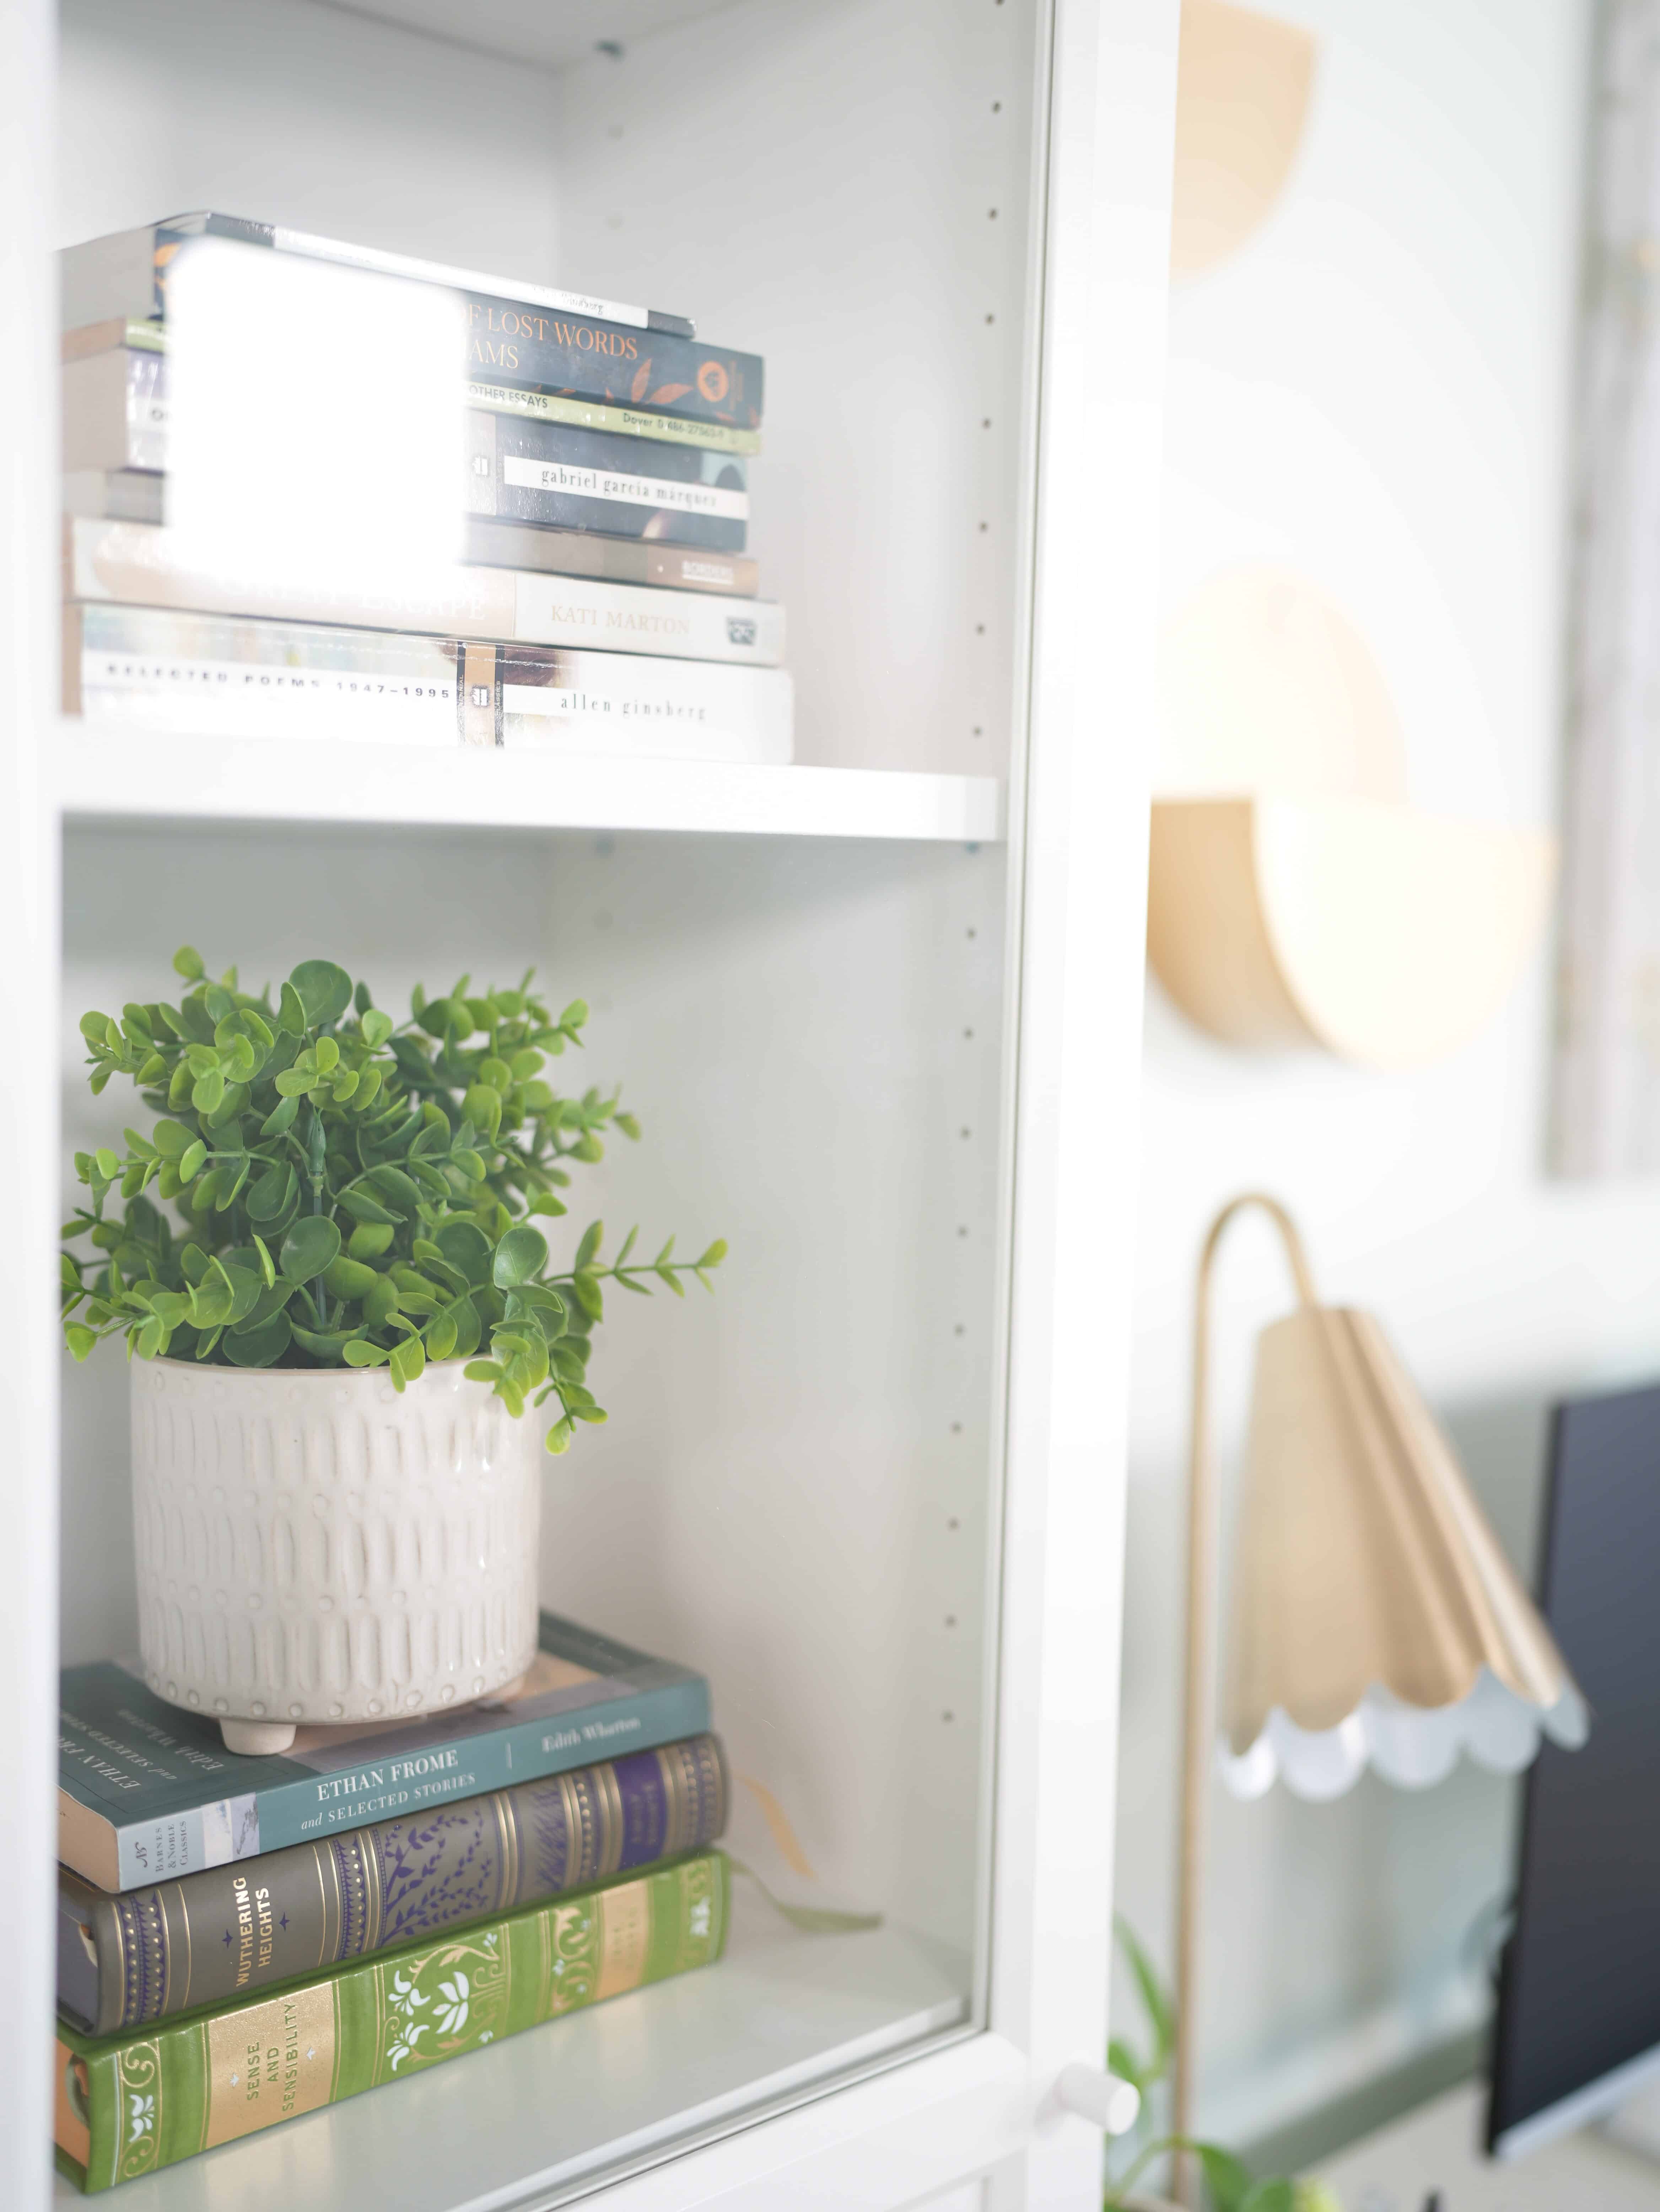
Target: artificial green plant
x=353, y=1190
x=1229, y=2184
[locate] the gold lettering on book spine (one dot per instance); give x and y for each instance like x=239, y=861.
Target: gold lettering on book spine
x=625, y=1937
x=267, y=2061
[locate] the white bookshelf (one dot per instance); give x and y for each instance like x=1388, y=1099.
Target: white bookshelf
x=101, y=775
x=879, y=1012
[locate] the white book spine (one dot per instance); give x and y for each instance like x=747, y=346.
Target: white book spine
x=134, y=564
x=145, y=668
x=524, y=474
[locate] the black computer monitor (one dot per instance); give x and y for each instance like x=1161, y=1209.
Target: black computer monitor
x=1578, y=2016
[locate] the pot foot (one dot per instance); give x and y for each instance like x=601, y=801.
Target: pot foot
x=257, y=1739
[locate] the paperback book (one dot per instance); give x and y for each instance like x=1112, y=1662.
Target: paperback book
x=146, y=668
x=138, y=565
x=125, y=275
x=88, y=411
x=224, y=1933
x=147, y=1792
x=521, y=470
x=130, y=495
x=129, y=2105
x=508, y=337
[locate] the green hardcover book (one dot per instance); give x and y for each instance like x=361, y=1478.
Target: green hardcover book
x=128, y=2105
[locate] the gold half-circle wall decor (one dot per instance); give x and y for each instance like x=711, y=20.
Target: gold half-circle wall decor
x=1242, y=91
x=1294, y=898
x=1385, y=936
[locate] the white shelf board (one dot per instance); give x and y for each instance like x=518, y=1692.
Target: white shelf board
x=159, y=776
x=605, y=2089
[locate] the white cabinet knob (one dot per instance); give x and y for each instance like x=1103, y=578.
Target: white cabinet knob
x=1100, y=2097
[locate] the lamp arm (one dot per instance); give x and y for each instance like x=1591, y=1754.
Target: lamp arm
x=1199, y=1697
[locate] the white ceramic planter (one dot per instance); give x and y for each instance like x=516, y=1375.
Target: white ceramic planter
x=316, y=1548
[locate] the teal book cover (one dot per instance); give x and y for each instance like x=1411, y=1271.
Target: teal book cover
x=147, y=1791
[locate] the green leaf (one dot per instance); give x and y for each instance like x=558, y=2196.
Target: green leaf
x=574, y=1015
x=347, y=1278
x=358, y=1203
x=310, y=1246
x=324, y=991
x=324, y=1346
x=1226, y=2179
x=588, y=1295
x=1123, y=2061
x=520, y=1257
x=377, y=1027
x=290, y=1012
x=190, y=1166
x=441, y=1335
x=207, y=1092
x=188, y=963
x=467, y=1249
x=270, y=1191
x=409, y=1360
x=281, y=1117
x=360, y=1352
x=173, y=1139
x=627, y=1247
x=1277, y=2196
x=557, y=1438
x=714, y=1256
x=79, y=1340
x=370, y=1239
x=260, y=1347
x=589, y=1244
x=1155, y=2000
x=545, y=1202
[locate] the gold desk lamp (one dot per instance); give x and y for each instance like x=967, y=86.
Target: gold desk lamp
x=1375, y=1617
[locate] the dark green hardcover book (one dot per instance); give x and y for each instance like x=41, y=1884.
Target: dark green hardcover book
x=128, y=2105
x=225, y=1933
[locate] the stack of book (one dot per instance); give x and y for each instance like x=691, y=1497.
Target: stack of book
x=606, y=602
x=242, y=1940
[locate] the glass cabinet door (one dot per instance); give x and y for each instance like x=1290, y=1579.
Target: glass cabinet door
x=865, y=965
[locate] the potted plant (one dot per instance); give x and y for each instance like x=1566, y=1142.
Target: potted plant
x=336, y=1497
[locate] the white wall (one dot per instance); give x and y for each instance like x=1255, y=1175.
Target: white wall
x=1376, y=392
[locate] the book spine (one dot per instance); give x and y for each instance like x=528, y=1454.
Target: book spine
x=618, y=560
x=115, y=411
x=586, y=359
x=134, y=565
x=332, y=1804
x=141, y=2102
x=369, y=258
x=635, y=705
x=147, y=668
x=627, y=422
x=161, y=1950
x=524, y=470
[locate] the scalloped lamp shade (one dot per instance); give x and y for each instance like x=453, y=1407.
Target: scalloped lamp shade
x=1376, y=1619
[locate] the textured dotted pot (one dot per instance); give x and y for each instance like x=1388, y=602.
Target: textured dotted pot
x=317, y=1548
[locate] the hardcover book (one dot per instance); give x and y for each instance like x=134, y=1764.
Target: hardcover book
x=146, y=1791
x=521, y=470
x=128, y=2105
x=138, y=565
x=148, y=668
x=128, y=496
x=230, y=1930
x=125, y=275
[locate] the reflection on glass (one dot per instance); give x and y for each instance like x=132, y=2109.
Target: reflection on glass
x=316, y=426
